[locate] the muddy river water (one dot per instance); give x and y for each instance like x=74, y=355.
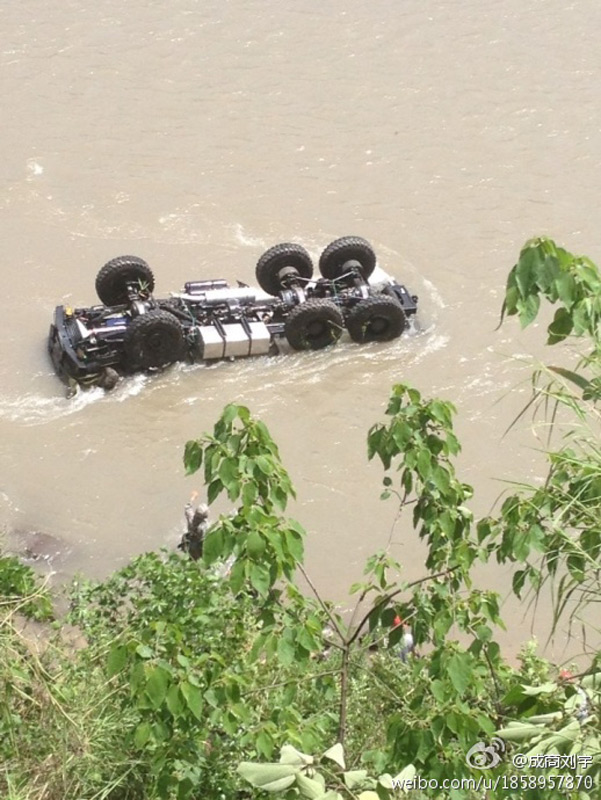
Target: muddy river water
x=196, y=135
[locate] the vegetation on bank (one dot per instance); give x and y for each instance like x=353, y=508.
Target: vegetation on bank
x=223, y=678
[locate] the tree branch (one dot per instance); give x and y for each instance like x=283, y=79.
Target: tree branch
x=388, y=597
x=343, y=695
x=296, y=679
x=330, y=616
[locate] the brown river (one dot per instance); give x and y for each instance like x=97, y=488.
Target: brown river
x=197, y=135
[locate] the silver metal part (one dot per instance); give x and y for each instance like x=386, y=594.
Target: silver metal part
x=83, y=331
x=260, y=339
x=215, y=297
x=139, y=307
x=237, y=342
x=200, y=287
x=87, y=333
x=211, y=342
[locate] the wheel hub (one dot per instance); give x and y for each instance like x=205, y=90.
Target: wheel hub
x=316, y=328
x=378, y=325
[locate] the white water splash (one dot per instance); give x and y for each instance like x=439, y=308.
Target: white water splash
x=34, y=169
x=247, y=239
x=37, y=410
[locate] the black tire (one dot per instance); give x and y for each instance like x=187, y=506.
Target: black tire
x=376, y=319
x=113, y=278
x=153, y=340
x=277, y=258
x=109, y=378
x=349, y=248
x=314, y=324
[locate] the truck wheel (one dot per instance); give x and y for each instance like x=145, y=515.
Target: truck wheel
x=376, y=319
x=286, y=256
x=113, y=279
x=349, y=248
x=152, y=340
x=109, y=378
x=313, y=325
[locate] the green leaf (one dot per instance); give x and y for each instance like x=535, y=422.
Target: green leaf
x=460, y=671
x=213, y=490
x=407, y=774
x=255, y=544
x=213, y=545
x=424, y=464
x=336, y=754
x=286, y=649
x=441, y=411
x=230, y=412
x=402, y=434
x=437, y=688
x=519, y=731
x=547, y=271
x=144, y=651
x=528, y=309
x=294, y=543
x=510, y=304
x=265, y=464
x=573, y=377
x=309, y=787
x=174, y=701
x=582, y=318
x=593, y=390
x=259, y=578
x=354, y=778
x=566, y=289
x=269, y=777
x=244, y=414
x=290, y=755
x=519, y=578
x=387, y=781
x=193, y=697
x=544, y=688
x=192, y=456
x=526, y=270
x=229, y=472
x=484, y=633
x=116, y=660
x=264, y=744
x=561, y=327
x=157, y=685
x=592, y=681
x=441, y=479
x=249, y=493
x=142, y=734
x=237, y=576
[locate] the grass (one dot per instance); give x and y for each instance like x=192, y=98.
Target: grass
x=62, y=735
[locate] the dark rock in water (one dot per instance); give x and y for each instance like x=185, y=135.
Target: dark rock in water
x=36, y=546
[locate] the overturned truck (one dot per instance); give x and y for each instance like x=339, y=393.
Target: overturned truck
x=134, y=331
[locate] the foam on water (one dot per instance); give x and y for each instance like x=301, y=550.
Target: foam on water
x=434, y=294
x=36, y=409
x=248, y=239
